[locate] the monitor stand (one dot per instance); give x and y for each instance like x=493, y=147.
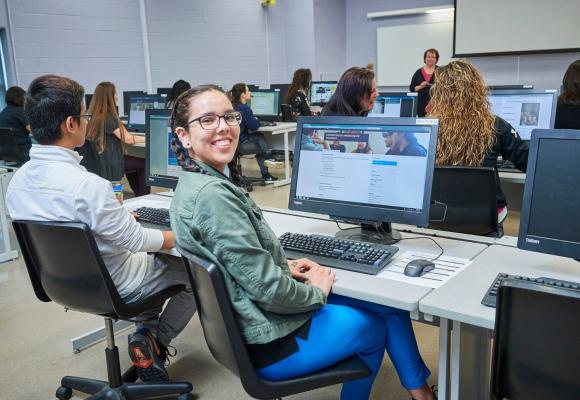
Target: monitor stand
x=381, y=234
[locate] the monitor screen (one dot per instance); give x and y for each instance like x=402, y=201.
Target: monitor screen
x=550, y=218
x=395, y=105
x=126, y=96
x=525, y=110
x=321, y=92
x=138, y=105
x=161, y=164
x=364, y=169
x=88, y=98
x=265, y=103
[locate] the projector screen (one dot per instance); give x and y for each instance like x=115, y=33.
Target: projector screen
x=494, y=27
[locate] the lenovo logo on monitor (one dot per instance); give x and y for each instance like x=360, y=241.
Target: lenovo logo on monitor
x=534, y=241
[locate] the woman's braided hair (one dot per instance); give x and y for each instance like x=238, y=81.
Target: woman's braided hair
x=179, y=118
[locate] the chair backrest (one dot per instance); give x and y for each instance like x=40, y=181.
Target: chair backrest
x=218, y=320
x=469, y=200
x=536, y=349
x=286, y=111
x=91, y=160
x=65, y=266
x=10, y=151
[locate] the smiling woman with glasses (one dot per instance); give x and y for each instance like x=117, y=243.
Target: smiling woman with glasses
x=290, y=322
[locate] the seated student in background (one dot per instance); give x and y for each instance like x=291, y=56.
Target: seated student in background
x=355, y=94
x=53, y=186
x=291, y=323
x=250, y=142
x=469, y=134
x=299, y=91
x=403, y=144
x=312, y=142
x=12, y=116
x=109, y=135
x=179, y=87
x=568, y=109
x=362, y=147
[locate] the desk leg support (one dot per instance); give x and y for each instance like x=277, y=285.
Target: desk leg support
x=470, y=362
x=287, y=177
x=444, y=358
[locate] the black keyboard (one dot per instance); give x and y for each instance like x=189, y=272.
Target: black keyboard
x=267, y=123
x=338, y=253
x=156, y=216
x=490, y=298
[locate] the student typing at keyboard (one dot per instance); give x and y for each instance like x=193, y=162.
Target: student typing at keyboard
x=290, y=321
x=53, y=186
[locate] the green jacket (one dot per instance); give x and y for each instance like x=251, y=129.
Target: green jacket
x=218, y=221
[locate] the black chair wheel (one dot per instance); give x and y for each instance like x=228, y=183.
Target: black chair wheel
x=249, y=188
x=186, y=396
x=63, y=393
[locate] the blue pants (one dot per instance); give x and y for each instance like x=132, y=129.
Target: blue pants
x=345, y=327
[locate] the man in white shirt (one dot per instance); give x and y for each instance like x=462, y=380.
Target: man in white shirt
x=53, y=186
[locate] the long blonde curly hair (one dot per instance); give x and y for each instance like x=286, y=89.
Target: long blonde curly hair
x=466, y=124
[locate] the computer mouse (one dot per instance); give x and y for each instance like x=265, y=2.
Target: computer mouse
x=418, y=268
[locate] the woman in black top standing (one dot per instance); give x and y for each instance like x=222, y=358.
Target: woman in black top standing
x=568, y=111
x=297, y=95
x=12, y=116
x=108, y=134
x=423, y=78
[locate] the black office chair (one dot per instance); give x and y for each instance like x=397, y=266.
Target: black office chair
x=536, y=349
x=10, y=150
x=286, y=111
x=65, y=266
x=91, y=159
x=465, y=201
x=227, y=346
x=247, y=181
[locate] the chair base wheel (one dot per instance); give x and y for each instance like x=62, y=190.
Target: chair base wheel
x=186, y=396
x=63, y=393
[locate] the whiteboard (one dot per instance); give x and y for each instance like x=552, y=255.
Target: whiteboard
x=400, y=50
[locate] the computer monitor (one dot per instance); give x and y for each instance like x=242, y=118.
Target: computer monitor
x=161, y=166
x=371, y=171
x=265, y=104
x=127, y=95
x=164, y=91
x=252, y=87
x=283, y=87
x=525, y=110
x=88, y=98
x=395, y=105
x=550, y=215
x=321, y=92
x=137, y=107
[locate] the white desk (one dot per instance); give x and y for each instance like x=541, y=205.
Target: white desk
x=459, y=301
x=282, y=128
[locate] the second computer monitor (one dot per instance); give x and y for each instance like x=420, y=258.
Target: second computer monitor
x=127, y=95
x=364, y=169
x=395, y=105
x=137, y=107
x=321, y=92
x=161, y=167
x=265, y=104
x=164, y=91
x=525, y=110
x=283, y=87
x=550, y=215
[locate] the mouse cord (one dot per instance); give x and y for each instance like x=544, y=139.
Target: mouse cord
x=431, y=239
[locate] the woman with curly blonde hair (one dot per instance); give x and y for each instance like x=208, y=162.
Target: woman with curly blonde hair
x=469, y=134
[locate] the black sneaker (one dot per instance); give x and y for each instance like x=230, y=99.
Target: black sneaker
x=147, y=356
x=269, y=178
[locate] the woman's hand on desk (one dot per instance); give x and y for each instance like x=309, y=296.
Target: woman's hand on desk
x=299, y=268
x=321, y=277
